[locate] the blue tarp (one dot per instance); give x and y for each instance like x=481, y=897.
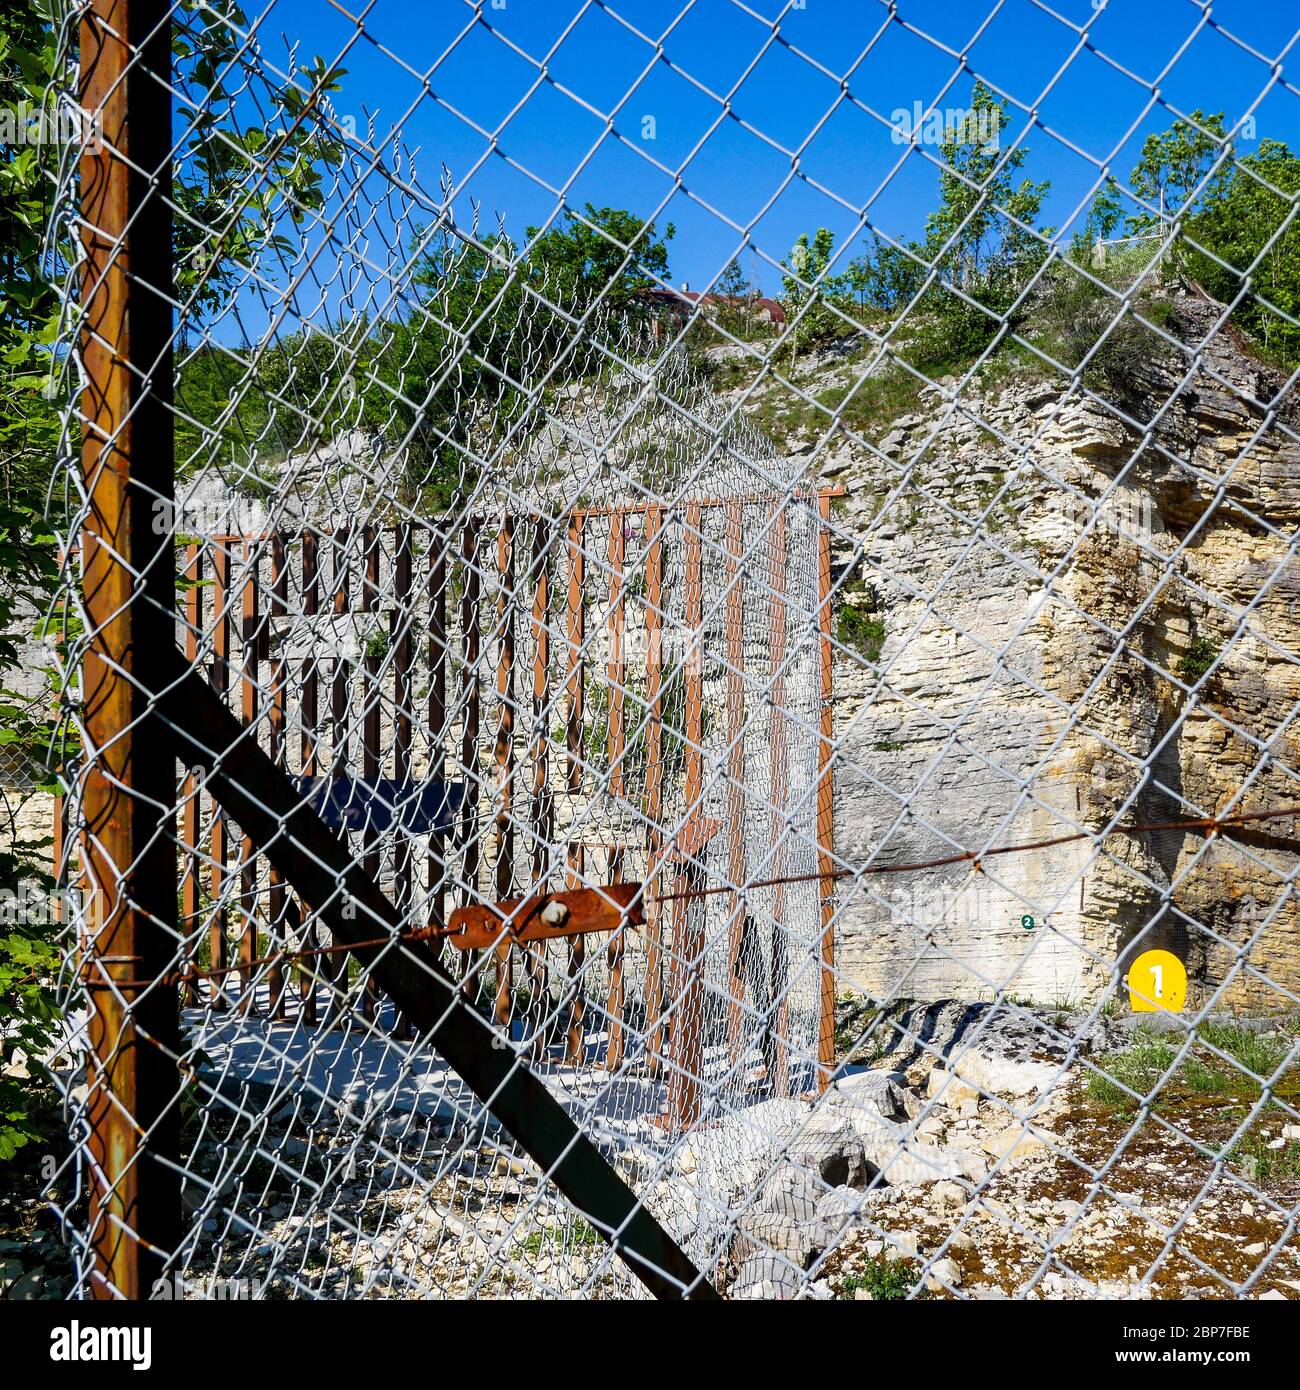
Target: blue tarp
x=418, y=808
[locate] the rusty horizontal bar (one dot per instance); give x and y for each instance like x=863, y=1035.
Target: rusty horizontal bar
x=585, y=910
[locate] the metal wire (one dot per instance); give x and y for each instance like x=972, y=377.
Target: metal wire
x=522, y=601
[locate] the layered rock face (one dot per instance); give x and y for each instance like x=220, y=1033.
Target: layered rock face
x=1089, y=620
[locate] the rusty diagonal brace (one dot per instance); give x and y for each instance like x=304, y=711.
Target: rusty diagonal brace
x=296, y=841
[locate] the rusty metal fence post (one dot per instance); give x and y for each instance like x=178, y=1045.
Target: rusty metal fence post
x=129, y=587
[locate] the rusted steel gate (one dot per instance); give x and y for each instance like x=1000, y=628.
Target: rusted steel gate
x=431, y=786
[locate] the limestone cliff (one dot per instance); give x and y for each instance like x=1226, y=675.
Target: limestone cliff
x=1089, y=611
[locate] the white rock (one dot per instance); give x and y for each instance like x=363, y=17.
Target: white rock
x=870, y=1090
x=943, y=1274
x=948, y=1194
x=766, y=1277
x=1016, y=1143
x=949, y=1089
x=839, y=1207
x=902, y=1244
x=793, y=1193
x=764, y=1232
x=1002, y=1077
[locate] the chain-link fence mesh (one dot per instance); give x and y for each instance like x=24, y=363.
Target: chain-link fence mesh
x=778, y=732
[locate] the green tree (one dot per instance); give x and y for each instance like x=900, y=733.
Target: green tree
x=734, y=289
x=609, y=254
x=1238, y=229
x=982, y=243
x=1173, y=167
x=859, y=278
x=1105, y=214
x=733, y=282
x=892, y=274
x=808, y=289
x=1247, y=212
x=981, y=235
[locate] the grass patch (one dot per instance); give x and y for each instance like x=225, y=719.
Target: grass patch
x=1241, y=1063
x=862, y=631
x=885, y=1280
x=1251, y=1059
x=582, y=1233
x=1136, y=1069
x=870, y=407
x=1259, y=1053
x=1259, y=1163
x=1197, y=659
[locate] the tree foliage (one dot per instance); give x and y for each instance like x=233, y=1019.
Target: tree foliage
x=607, y=255
x=1235, y=221
x=981, y=246
x=219, y=235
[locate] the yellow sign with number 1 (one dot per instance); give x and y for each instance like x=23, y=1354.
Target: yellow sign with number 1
x=1157, y=983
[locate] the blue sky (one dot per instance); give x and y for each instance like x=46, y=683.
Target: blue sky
x=475, y=85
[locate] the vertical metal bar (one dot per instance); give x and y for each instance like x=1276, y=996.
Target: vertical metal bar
x=654, y=785
x=825, y=798
x=575, y=696
x=403, y=643
x=539, y=760
x=436, y=713
x=616, y=668
x=336, y=966
x=129, y=587
x=250, y=692
x=736, y=799
x=471, y=642
x=371, y=724
x=615, y=1002
x=58, y=832
x=218, y=846
x=278, y=719
x=309, y=714
x=616, y=672
x=403, y=646
x=575, y=1037
x=191, y=898
x=688, y=915
x=575, y=625
x=779, y=1036
x=309, y=700
x=505, y=754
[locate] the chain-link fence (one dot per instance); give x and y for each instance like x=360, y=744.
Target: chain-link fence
x=589, y=786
